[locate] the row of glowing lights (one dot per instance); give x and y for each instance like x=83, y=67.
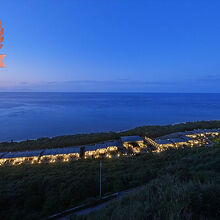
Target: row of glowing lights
x=54, y=158
x=135, y=149
x=32, y=160
x=96, y=154
x=192, y=144
x=93, y=153
x=162, y=148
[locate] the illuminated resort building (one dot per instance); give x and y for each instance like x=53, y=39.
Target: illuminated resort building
x=133, y=143
x=105, y=149
x=181, y=139
x=60, y=154
x=16, y=158
x=159, y=144
x=40, y=156
x=164, y=144
x=127, y=145
x=203, y=133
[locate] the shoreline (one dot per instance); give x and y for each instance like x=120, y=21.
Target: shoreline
x=91, y=138
x=118, y=131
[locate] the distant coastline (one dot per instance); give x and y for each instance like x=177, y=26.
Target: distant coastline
x=90, y=138
x=119, y=131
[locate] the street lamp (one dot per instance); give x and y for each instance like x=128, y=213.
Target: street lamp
x=100, y=179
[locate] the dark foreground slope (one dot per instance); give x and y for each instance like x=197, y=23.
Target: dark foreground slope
x=179, y=182
x=186, y=187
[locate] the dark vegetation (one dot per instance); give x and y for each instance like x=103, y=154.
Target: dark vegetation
x=180, y=183
x=186, y=187
x=83, y=139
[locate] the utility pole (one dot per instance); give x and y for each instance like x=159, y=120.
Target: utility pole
x=100, y=179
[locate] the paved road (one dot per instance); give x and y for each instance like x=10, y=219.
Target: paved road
x=99, y=206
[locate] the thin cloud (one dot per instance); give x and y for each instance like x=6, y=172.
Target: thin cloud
x=210, y=78
x=118, y=85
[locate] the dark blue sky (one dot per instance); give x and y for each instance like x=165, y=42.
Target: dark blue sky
x=111, y=46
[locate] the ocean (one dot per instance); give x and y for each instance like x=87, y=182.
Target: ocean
x=34, y=115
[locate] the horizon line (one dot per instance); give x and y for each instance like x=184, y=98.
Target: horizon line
x=109, y=92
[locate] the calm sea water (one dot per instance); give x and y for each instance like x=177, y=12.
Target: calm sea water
x=33, y=115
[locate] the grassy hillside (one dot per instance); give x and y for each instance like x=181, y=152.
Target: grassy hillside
x=31, y=192
x=83, y=139
x=186, y=187
x=181, y=178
